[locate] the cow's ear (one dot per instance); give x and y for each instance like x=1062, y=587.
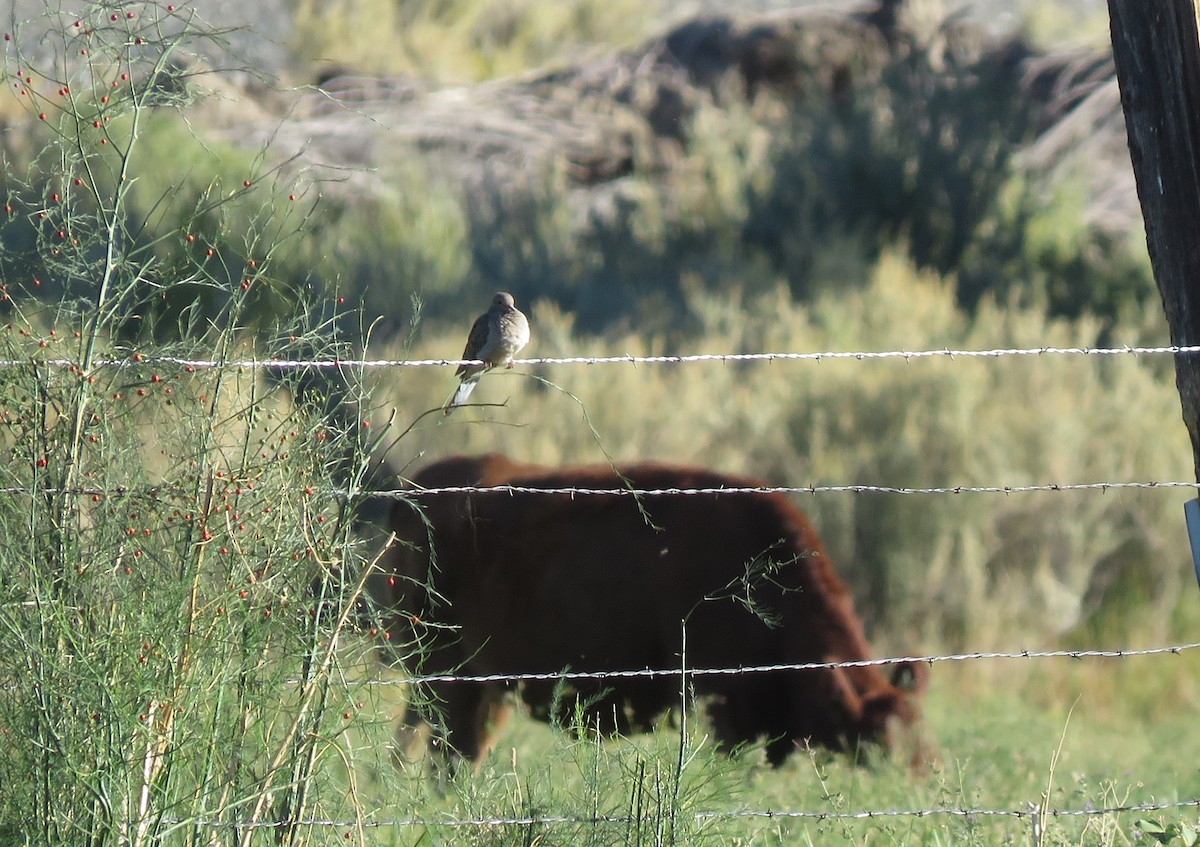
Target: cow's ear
x=912, y=677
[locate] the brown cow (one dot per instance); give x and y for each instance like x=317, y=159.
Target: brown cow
x=525, y=582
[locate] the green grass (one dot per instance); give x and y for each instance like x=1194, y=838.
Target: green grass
x=1051, y=741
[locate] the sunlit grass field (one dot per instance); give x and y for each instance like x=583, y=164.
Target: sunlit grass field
x=1049, y=743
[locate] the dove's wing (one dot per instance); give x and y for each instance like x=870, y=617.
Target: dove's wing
x=476, y=341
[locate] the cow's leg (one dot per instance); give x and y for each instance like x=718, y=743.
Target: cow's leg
x=826, y=709
x=469, y=714
x=749, y=709
x=409, y=731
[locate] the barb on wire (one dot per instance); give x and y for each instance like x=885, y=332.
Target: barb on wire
x=796, y=666
x=770, y=814
x=861, y=355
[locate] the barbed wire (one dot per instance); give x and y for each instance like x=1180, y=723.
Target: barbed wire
x=1175, y=649
x=406, y=493
x=1031, y=811
x=629, y=359
x=419, y=493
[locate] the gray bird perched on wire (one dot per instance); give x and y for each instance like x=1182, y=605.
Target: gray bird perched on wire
x=496, y=337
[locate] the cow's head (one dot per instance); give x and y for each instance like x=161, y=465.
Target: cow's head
x=891, y=714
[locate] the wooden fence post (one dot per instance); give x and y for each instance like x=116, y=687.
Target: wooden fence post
x=1157, y=54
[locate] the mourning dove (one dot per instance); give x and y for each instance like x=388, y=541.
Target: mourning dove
x=496, y=336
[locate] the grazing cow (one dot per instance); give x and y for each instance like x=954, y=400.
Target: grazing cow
x=500, y=582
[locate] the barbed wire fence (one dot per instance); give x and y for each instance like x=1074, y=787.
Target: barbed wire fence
x=1034, y=813
x=1031, y=812
x=828, y=355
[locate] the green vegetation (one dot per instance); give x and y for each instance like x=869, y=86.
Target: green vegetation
x=174, y=663
x=999, y=752
x=460, y=40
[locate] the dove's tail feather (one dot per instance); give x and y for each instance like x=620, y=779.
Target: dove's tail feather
x=460, y=396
